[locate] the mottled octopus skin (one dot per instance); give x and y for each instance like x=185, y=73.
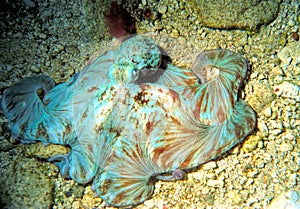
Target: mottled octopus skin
x=129, y=121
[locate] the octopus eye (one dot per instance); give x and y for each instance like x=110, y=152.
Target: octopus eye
x=135, y=73
x=178, y=174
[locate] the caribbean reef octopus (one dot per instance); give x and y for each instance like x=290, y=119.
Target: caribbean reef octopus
x=131, y=117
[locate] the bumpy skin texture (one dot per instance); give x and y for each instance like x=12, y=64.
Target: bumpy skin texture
x=129, y=121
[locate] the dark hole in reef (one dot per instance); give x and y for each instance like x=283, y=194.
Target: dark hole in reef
x=68, y=193
x=41, y=93
x=148, y=13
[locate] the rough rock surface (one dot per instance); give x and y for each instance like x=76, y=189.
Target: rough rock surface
x=25, y=184
x=241, y=14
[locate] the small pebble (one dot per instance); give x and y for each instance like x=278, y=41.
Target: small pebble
x=260, y=164
x=250, y=144
x=174, y=33
x=42, y=35
x=254, y=75
x=162, y=9
x=286, y=147
x=268, y=112
x=34, y=69
x=215, y=183
x=275, y=132
x=149, y=203
x=277, y=71
x=249, y=182
x=263, y=128
x=252, y=173
x=234, y=197
x=260, y=145
x=261, y=76
x=291, y=22
x=209, y=165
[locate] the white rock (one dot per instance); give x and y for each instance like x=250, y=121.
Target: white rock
x=287, y=200
x=290, y=54
x=263, y=128
x=268, y=112
x=287, y=89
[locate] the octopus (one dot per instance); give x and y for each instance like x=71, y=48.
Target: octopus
x=132, y=118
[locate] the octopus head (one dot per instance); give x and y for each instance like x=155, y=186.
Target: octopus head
x=120, y=73
x=141, y=52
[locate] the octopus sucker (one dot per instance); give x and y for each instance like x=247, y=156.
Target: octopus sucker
x=131, y=117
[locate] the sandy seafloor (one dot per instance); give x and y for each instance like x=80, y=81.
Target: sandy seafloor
x=262, y=172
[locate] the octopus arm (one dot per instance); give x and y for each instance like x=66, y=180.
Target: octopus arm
x=126, y=177
x=214, y=100
x=62, y=162
x=224, y=136
x=199, y=143
x=89, y=151
x=174, y=77
x=28, y=105
x=25, y=109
